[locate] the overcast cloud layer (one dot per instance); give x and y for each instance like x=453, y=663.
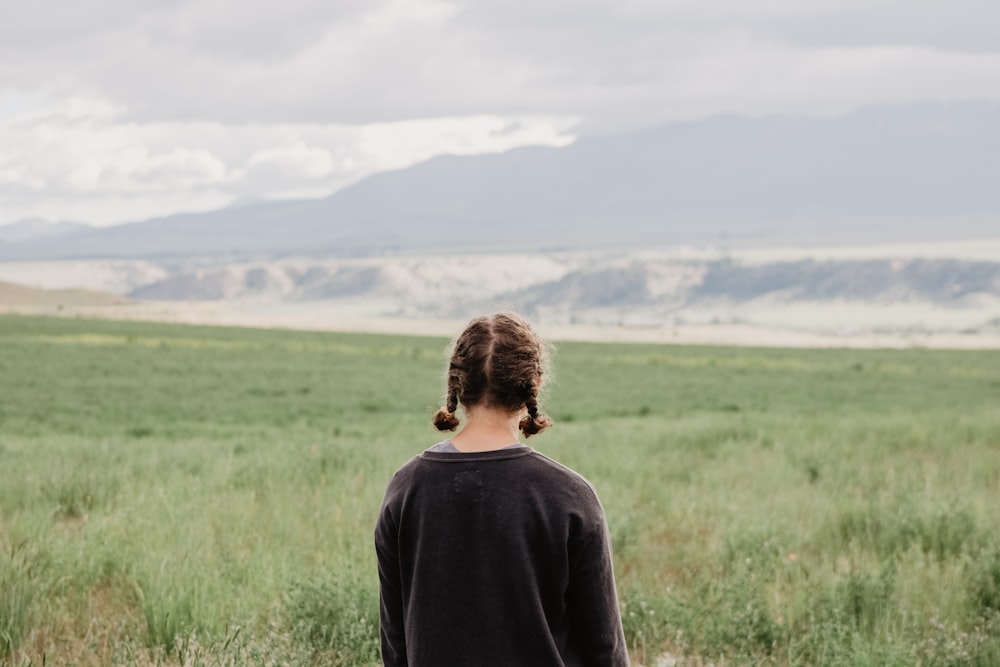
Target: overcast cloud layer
x=124, y=109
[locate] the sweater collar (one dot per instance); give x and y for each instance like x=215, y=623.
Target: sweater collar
x=464, y=457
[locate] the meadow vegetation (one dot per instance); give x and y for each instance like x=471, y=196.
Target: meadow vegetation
x=206, y=496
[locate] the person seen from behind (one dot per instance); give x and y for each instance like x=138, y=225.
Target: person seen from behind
x=490, y=553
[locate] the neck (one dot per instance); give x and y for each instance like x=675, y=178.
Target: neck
x=487, y=429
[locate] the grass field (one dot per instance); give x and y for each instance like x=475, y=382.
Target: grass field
x=206, y=496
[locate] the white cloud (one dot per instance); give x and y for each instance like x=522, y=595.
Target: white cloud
x=81, y=147
x=212, y=100
x=290, y=170
x=617, y=63
x=83, y=160
x=301, y=160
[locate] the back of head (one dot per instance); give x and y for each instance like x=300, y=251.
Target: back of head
x=497, y=362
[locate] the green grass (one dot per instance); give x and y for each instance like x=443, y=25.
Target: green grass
x=206, y=496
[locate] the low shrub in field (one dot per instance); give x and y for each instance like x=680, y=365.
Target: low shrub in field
x=719, y=614
x=75, y=494
x=21, y=577
x=891, y=529
x=337, y=617
x=985, y=581
x=865, y=600
x=844, y=621
x=734, y=619
x=651, y=621
x=169, y=615
x=947, y=645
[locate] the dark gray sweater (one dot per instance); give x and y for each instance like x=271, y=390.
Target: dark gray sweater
x=495, y=558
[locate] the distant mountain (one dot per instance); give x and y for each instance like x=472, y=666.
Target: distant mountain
x=892, y=174
x=31, y=229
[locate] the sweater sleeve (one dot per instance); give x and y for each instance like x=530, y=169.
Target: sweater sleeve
x=593, y=602
x=391, y=627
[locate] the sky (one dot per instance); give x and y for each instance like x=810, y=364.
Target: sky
x=121, y=110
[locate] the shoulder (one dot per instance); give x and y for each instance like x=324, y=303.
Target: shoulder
x=564, y=477
x=407, y=468
x=557, y=469
x=568, y=494
x=402, y=478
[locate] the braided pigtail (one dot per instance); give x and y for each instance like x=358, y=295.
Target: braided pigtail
x=534, y=422
x=445, y=419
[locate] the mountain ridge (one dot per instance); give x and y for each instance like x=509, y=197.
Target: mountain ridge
x=30, y=229
x=924, y=171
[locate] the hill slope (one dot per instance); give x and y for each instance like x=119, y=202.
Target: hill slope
x=20, y=296
x=32, y=229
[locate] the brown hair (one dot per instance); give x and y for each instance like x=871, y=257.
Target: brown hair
x=498, y=361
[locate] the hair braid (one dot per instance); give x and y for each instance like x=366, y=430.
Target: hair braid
x=445, y=419
x=534, y=422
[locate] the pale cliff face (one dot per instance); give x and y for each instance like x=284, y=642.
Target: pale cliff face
x=843, y=292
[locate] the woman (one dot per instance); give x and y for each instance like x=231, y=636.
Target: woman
x=490, y=553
